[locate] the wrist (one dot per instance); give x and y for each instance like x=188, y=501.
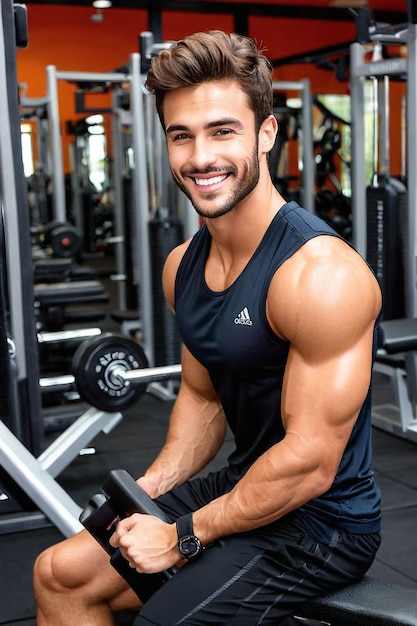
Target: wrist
x=189, y=545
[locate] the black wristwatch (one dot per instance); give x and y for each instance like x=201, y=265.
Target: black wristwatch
x=189, y=545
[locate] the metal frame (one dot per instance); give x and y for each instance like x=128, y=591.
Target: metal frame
x=119, y=115
x=26, y=415
x=36, y=475
x=57, y=173
x=141, y=208
x=307, y=144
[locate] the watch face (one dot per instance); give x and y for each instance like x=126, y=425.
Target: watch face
x=189, y=546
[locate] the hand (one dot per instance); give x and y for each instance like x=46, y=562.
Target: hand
x=149, y=486
x=147, y=543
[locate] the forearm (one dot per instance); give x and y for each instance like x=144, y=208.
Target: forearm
x=195, y=434
x=268, y=491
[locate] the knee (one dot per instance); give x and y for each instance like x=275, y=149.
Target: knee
x=53, y=571
x=44, y=576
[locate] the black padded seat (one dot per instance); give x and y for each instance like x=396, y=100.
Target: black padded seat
x=398, y=335
x=51, y=269
x=370, y=602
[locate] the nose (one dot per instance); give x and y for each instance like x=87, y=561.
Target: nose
x=203, y=153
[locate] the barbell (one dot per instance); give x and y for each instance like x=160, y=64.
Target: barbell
x=111, y=372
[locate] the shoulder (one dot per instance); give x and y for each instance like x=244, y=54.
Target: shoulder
x=325, y=285
x=169, y=273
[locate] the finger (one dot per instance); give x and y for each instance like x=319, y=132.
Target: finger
x=114, y=540
x=120, y=530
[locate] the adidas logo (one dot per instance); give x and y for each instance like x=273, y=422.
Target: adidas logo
x=244, y=318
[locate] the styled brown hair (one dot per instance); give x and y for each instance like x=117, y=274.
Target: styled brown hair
x=213, y=56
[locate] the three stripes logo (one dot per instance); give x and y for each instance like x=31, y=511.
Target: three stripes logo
x=244, y=318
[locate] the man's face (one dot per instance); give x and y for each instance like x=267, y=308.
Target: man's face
x=212, y=145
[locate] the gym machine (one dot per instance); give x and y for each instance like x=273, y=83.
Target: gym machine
x=110, y=371
x=380, y=70
x=21, y=403
x=396, y=356
x=34, y=475
x=167, y=221
x=369, y=602
x=24, y=464
x=129, y=110
x=24, y=418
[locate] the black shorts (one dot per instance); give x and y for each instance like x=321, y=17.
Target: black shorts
x=253, y=578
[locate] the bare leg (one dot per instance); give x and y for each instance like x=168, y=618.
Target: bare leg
x=74, y=583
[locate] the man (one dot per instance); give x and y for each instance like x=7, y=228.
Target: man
x=278, y=317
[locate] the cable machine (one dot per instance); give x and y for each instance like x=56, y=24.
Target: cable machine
x=397, y=356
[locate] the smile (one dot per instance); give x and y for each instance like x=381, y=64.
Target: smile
x=207, y=182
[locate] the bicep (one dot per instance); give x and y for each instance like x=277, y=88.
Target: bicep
x=321, y=401
x=330, y=325
x=322, y=398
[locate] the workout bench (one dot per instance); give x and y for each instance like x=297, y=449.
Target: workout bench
x=397, y=358
x=370, y=602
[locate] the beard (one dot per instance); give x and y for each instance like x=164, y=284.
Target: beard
x=244, y=185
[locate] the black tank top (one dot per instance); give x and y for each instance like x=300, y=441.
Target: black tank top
x=228, y=332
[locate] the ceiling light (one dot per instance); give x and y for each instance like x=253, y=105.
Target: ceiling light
x=102, y=4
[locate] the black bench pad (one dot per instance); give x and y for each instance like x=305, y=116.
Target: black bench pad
x=370, y=602
x=69, y=292
x=398, y=335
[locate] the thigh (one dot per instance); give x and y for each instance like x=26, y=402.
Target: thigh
x=256, y=578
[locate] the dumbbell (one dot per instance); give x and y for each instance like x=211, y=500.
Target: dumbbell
x=120, y=497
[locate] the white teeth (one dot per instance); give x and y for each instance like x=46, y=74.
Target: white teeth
x=206, y=182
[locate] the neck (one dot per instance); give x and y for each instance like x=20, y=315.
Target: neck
x=241, y=230
x=236, y=236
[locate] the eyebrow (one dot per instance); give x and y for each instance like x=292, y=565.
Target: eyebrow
x=228, y=121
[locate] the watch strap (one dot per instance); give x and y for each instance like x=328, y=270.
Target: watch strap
x=185, y=525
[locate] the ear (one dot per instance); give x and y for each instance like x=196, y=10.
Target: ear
x=267, y=134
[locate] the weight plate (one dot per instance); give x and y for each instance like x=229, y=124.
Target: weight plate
x=64, y=241
x=95, y=364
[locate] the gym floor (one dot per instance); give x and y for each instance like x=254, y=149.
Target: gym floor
x=135, y=442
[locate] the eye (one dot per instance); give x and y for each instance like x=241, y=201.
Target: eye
x=222, y=132
x=180, y=137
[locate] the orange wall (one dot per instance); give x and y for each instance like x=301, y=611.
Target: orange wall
x=67, y=38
